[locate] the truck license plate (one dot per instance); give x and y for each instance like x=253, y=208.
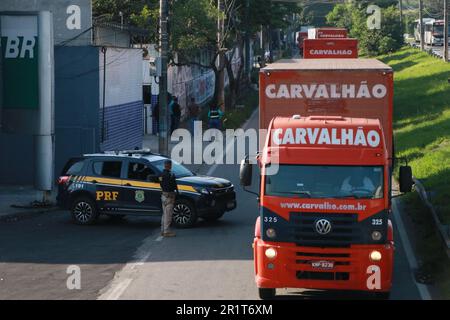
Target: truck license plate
x=322, y=264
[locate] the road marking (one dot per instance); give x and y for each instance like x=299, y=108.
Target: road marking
x=117, y=291
x=124, y=277
x=412, y=261
x=231, y=144
x=159, y=238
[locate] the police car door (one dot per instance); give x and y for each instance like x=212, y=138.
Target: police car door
x=141, y=188
x=107, y=183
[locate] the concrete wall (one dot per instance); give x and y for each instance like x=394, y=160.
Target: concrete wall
x=70, y=18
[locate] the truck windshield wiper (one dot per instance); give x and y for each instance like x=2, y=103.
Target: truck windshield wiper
x=303, y=193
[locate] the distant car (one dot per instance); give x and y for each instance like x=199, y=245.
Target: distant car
x=127, y=183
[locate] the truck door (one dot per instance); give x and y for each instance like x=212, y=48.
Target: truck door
x=142, y=193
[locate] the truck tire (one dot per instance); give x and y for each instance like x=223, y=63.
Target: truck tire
x=84, y=211
x=214, y=216
x=266, y=293
x=184, y=214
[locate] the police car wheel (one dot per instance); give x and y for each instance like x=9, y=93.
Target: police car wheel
x=84, y=211
x=266, y=293
x=184, y=215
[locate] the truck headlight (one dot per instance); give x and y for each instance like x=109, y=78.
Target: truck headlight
x=375, y=256
x=376, y=235
x=271, y=233
x=271, y=253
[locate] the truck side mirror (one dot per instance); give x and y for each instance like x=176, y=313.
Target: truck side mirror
x=246, y=172
x=406, y=179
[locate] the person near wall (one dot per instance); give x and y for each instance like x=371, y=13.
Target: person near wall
x=194, y=113
x=215, y=118
x=156, y=117
x=175, y=114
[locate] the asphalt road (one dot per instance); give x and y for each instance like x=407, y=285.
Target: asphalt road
x=128, y=259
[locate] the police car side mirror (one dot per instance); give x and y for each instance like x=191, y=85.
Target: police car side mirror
x=246, y=172
x=406, y=180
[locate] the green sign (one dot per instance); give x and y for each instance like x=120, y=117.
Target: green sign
x=19, y=54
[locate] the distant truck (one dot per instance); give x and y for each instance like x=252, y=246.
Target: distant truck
x=330, y=48
x=325, y=177
x=327, y=33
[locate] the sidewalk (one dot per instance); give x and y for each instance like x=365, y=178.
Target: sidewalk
x=22, y=201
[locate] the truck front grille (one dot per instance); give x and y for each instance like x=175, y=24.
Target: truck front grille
x=344, y=229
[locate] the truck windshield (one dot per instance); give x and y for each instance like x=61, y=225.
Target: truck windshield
x=359, y=182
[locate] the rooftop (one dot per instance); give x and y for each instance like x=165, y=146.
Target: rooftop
x=328, y=64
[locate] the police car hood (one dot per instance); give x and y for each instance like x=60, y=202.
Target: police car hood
x=204, y=181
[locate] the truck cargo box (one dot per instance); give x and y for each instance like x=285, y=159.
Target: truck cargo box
x=357, y=88
x=327, y=33
x=330, y=48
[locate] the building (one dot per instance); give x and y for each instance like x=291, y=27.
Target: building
x=97, y=87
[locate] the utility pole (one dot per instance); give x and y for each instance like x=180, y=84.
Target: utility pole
x=247, y=39
x=163, y=106
x=220, y=62
x=445, y=55
x=422, y=27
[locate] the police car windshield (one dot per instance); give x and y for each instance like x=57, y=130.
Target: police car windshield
x=339, y=182
x=178, y=170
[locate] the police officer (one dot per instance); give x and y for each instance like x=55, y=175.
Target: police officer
x=169, y=189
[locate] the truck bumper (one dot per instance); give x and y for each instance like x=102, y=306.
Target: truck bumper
x=352, y=267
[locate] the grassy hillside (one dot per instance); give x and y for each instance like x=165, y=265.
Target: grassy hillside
x=422, y=120
x=422, y=133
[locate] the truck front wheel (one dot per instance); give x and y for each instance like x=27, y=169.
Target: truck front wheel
x=266, y=293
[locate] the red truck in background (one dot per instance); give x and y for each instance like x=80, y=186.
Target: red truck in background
x=327, y=33
x=301, y=37
x=325, y=177
x=330, y=48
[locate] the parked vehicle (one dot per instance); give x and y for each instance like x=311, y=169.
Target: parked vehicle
x=127, y=183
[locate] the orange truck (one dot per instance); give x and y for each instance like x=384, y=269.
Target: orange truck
x=325, y=177
x=330, y=48
x=327, y=33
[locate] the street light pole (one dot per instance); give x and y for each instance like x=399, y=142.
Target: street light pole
x=445, y=55
x=422, y=27
x=163, y=110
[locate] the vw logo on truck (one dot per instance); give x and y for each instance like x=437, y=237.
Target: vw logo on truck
x=323, y=226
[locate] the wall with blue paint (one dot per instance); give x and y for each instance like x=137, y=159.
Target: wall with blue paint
x=122, y=120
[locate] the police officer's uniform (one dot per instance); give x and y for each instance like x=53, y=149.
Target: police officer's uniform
x=169, y=189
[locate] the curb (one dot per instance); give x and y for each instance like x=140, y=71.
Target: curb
x=444, y=230
x=27, y=213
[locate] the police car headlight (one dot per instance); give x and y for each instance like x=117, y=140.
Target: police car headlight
x=203, y=191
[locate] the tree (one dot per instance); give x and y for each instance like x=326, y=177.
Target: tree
x=371, y=42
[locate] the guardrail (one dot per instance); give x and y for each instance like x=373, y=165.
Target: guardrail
x=444, y=230
x=432, y=52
